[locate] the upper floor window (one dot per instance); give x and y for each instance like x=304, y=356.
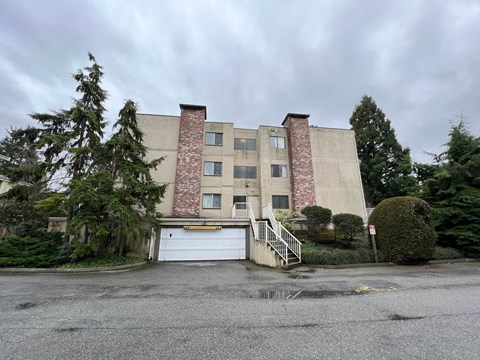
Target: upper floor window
x=280, y=201
x=213, y=138
x=279, y=171
x=245, y=144
x=212, y=201
x=212, y=168
x=239, y=199
x=245, y=172
x=277, y=142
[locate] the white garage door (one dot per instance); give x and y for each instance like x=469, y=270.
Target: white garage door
x=179, y=244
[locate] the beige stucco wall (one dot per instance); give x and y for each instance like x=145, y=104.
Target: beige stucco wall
x=161, y=139
x=247, y=187
x=219, y=184
x=336, y=170
x=272, y=156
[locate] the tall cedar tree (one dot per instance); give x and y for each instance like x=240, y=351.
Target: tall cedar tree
x=118, y=200
x=385, y=166
x=78, y=130
x=20, y=164
x=70, y=138
x=454, y=191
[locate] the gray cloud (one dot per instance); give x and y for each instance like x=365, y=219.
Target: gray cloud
x=251, y=62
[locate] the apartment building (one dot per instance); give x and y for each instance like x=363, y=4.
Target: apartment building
x=210, y=166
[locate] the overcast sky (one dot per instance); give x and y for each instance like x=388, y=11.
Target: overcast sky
x=251, y=62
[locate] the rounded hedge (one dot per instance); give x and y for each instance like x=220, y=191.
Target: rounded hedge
x=405, y=229
x=348, y=225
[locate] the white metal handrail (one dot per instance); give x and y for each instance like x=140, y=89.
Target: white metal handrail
x=263, y=232
x=244, y=210
x=293, y=243
x=273, y=239
x=240, y=210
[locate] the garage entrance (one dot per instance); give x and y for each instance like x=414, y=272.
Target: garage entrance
x=178, y=244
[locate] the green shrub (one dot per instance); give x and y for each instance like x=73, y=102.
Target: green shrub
x=82, y=251
x=446, y=253
x=405, y=229
x=348, y=225
x=324, y=236
x=40, y=251
x=286, y=218
x=316, y=255
x=318, y=219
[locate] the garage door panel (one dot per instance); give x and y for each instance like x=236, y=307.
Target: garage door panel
x=179, y=244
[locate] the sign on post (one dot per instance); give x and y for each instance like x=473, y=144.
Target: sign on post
x=373, y=232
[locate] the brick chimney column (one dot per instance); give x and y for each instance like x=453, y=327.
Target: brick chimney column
x=301, y=167
x=186, y=198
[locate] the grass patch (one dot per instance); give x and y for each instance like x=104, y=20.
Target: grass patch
x=106, y=260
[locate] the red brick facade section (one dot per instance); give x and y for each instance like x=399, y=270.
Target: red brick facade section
x=186, y=200
x=301, y=168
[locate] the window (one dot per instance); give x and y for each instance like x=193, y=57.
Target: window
x=277, y=142
x=279, y=171
x=280, y=201
x=239, y=199
x=211, y=168
x=212, y=201
x=245, y=144
x=245, y=172
x=213, y=138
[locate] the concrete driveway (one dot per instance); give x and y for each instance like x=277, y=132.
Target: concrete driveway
x=237, y=310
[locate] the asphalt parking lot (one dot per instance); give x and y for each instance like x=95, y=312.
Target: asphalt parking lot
x=237, y=310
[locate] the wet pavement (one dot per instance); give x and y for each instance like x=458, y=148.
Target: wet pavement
x=236, y=310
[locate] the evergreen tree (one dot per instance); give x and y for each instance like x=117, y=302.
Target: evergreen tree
x=20, y=161
x=385, y=166
x=454, y=191
x=21, y=165
x=118, y=200
x=70, y=138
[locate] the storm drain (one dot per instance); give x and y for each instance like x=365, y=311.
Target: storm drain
x=302, y=294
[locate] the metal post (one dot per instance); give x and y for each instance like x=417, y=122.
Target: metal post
x=374, y=246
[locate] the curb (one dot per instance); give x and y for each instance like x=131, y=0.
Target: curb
x=365, y=265
x=351, y=266
x=73, y=270
x=454, y=261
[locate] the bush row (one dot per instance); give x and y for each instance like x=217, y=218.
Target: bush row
x=314, y=255
x=39, y=251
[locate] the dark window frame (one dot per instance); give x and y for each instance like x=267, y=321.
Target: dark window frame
x=244, y=172
x=243, y=198
x=274, y=142
x=216, y=166
x=217, y=138
x=278, y=202
x=213, y=196
x=277, y=173
x=245, y=144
